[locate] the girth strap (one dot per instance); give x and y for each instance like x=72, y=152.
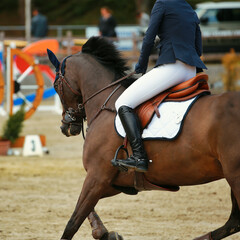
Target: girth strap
x=142, y=184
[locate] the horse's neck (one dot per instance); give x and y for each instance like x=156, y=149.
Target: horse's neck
x=95, y=77
x=103, y=99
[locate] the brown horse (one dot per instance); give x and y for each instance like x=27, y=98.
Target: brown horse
x=206, y=150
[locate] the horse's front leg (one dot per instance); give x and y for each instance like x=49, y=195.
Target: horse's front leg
x=93, y=189
x=99, y=231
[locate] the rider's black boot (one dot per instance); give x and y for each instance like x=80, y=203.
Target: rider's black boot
x=132, y=126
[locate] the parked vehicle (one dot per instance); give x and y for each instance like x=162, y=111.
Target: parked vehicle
x=220, y=25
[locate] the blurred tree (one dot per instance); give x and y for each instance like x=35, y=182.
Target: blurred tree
x=142, y=5
x=8, y=5
x=148, y=4
x=231, y=63
x=21, y=9
x=79, y=12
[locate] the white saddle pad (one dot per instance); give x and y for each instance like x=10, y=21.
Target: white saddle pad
x=167, y=126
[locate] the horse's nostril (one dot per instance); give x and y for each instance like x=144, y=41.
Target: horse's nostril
x=75, y=130
x=64, y=130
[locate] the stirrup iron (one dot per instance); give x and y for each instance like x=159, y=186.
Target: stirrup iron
x=115, y=161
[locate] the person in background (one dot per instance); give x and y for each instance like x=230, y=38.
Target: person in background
x=177, y=26
x=39, y=26
x=107, y=23
x=143, y=21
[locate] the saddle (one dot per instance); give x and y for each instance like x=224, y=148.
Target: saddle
x=193, y=87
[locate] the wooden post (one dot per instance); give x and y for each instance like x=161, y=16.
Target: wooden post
x=69, y=42
x=9, y=82
x=28, y=20
x=2, y=35
x=135, y=50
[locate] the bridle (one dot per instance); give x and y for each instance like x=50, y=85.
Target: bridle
x=78, y=116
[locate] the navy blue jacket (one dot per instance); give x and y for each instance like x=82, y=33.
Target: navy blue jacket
x=177, y=26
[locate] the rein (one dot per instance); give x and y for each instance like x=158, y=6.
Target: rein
x=103, y=107
x=108, y=86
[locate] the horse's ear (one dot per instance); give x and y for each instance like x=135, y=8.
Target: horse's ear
x=53, y=59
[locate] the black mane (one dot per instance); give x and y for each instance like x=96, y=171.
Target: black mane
x=106, y=53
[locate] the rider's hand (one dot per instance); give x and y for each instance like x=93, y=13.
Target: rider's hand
x=138, y=69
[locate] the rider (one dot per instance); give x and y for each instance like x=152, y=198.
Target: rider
x=177, y=26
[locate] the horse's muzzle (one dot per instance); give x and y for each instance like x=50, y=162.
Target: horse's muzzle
x=70, y=127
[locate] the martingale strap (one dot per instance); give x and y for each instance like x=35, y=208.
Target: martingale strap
x=104, y=107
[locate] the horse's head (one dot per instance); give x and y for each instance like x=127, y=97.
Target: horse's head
x=98, y=55
x=73, y=113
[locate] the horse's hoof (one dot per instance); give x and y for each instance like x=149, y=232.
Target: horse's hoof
x=114, y=236
x=204, y=237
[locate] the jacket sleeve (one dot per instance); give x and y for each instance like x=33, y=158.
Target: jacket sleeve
x=148, y=41
x=198, y=41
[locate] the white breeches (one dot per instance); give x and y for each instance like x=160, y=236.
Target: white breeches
x=154, y=82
